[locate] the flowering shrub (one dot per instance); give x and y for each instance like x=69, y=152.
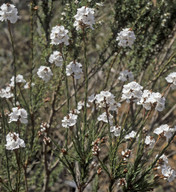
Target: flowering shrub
x=93, y=107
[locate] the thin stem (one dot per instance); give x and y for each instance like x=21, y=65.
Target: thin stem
x=86, y=83
x=14, y=60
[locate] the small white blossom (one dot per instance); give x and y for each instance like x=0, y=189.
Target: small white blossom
x=132, y=134
x=69, y=120
x=103, y=117
x=168, y=172
x=116, y=130
x=8, y=12
x=126, y=38
x=126, y=76
x=106, y=99
x=171, y=78
x=84, y=18
x=56, y=58
x=158, y=100
x=13, y=141
x=126, y=154
x=164, y=159
x=27, y=85
x=161, y=129
x=150, y=141
x=59, y=35
x=152, y=99
x=6, y=93
x=45, y=73
x=74, y=68
x=132, y=91
x=81, y=105
x=18, y=114
x=168, y=134
x=166, y=130
x=19, y=79
x=91, y=98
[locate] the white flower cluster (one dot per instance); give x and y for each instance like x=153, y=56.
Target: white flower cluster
x=166, y=170
x=45, y=73
x=69, y=120
x=56, y=58
x=151, y=99
x=19, y=79
x=81, y=105
x=165, y=130
x=6, y=93
x=126, y=76
x=43, y=132
x=13, y=141
x=131, y=135
x=106, y=99
x=126, y=38
x=149, y=141
x=28, y=85
x=132, y=92
x=8, y=12
x=18, y=114
x=171, y=78
x=84, y=18
x=103, y=117
x=126, y=154
x=115, y=130
x=44, y=126
x=59, y=35
x=74, y=68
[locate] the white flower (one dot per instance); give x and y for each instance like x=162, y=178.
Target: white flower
x=6, y=93
x=81, y=105
x=74, y=68
x=56, y=58
x=18, y=114
x=59, y=35
x=19, y=79
x=132, y=134
x=158, y=100
x=103, y=117
x=150, y=141
x=132, y=91
x=171, y=78
x=106, y=98
x=44, y=126
x=164, y=158
x=13, y=141
x=168, y=172
x=69, y=120
x=27, y=85
x=151, y=99
x=45, y=73
x=116, y=130
x=8, y=12
x=126, y=154
x=168, y=134
x=91, y=98
x=166, y=130
x=126, y=38
x=84, y=17
x=126, y=76
x=162, y=129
